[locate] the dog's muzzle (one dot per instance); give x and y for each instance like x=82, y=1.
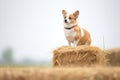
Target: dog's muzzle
x=66, y=21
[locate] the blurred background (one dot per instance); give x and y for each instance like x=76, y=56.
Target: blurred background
x=31, y=29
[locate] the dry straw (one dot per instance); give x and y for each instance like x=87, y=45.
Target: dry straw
x=81, y=73
x=78, y=56
x=113, y=56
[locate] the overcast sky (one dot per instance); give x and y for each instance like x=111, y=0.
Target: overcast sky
x=33, y=28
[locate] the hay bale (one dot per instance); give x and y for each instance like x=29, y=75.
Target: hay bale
x=113, y=56
x=81, y=73
x=78, y=56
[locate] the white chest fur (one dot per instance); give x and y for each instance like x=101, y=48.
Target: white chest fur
x=70, y=34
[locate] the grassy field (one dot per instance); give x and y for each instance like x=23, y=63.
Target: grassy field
x=81, y=73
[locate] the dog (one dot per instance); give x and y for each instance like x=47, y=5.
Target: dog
x=73, y=33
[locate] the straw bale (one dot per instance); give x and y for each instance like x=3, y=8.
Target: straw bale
x=113, y=56
x=78, y=56
x=81, y=73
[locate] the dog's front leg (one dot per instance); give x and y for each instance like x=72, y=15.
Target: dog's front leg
x=69, y=43
x=76, y=43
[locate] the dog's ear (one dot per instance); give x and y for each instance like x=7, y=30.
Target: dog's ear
x=64, y=12
x=76, y=13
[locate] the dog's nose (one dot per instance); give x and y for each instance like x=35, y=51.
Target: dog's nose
x=65, y=21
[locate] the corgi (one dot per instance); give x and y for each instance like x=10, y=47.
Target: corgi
x=73, y=33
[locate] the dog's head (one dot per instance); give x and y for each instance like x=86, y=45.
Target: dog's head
x=70, y=19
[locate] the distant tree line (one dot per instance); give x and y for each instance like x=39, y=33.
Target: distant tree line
x=7, y=55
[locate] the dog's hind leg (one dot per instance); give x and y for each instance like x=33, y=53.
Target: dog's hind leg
x=88, y=42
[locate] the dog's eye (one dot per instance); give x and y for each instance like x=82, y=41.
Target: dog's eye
x=70, y=18
x=65, y=17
